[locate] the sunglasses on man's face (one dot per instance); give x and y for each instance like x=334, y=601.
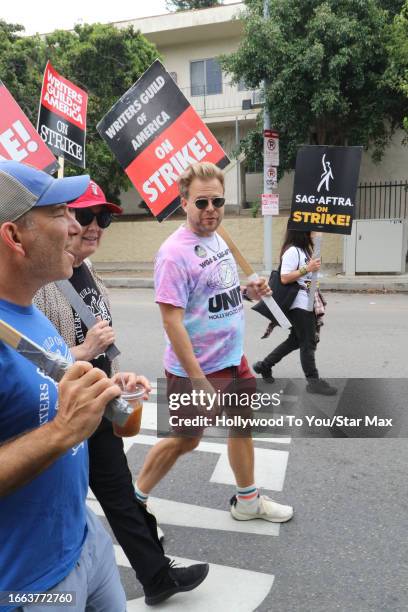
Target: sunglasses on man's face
x=202, y=203
x=85, y=216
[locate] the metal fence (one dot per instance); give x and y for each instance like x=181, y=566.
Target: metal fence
x=386, y=200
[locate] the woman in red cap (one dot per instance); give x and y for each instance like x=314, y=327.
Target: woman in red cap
x=109, y=476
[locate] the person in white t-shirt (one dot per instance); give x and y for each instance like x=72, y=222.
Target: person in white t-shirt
x=297, y=265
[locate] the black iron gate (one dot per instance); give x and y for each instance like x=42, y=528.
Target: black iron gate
x=387, y=200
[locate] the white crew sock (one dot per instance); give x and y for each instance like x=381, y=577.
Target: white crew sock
x=248, y=499
x=142, y=497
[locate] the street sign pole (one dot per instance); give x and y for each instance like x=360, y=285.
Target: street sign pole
x=238, y=168
x=267, y=188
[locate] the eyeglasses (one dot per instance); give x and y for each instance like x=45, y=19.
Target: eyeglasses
x=202, y=203
x=85, y=216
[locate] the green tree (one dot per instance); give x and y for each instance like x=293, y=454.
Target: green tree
x=325, y=61
x=21, y=59
x=392, y=6
x=188, y=5
x=103, y=60
x=397, y=74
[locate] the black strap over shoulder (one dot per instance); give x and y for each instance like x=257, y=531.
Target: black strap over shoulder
x=283, y=294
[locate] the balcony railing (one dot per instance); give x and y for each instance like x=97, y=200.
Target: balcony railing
x=230, y=99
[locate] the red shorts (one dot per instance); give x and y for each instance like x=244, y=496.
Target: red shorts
x=237, y=382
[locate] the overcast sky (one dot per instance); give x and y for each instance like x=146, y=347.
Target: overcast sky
x=47, y=15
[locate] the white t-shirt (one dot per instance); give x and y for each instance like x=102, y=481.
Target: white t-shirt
x=293, y=259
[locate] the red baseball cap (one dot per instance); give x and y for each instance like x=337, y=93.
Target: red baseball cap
x=94, y=196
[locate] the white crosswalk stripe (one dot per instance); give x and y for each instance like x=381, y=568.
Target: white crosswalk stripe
x=169, y=512
x=270, y=469
x=225, y=588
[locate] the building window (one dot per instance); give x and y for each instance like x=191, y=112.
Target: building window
x=205, y=77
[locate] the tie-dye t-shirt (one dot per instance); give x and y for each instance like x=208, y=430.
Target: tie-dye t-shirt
x=199, y=274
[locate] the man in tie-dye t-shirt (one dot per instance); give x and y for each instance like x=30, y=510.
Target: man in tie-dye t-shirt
x=197, y=288
x=198, y=274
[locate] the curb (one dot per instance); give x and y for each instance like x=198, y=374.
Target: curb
x=374, y=286
x=128, y=283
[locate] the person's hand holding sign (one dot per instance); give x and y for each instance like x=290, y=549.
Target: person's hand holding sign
x=313, y=265
x=97, y=340
x=257, y=289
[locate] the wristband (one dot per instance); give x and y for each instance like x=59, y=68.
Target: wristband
x=303, y=270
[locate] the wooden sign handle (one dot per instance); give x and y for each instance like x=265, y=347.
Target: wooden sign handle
x=9, y=335
x=61, y=166
x=239, y=258
x=313, y=284
x=252, y=276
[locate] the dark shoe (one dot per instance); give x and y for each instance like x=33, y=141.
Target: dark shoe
x=320, y=386
x=266, y=373
x=176, y=580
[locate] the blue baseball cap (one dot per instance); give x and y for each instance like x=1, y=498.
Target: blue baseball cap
x=23, y=187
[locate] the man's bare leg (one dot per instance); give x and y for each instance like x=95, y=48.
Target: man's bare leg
x=161, y=458
x=241, y=459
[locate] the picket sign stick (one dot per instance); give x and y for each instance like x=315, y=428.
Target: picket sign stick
x=86, y=316
x=253, y=276
x=9, y=335
x=313, y=284
x=61, y=166
x=117, y=410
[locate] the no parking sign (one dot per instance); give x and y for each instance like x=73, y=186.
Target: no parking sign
x=271, y=148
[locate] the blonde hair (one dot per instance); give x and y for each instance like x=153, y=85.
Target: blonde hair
x=205, y=171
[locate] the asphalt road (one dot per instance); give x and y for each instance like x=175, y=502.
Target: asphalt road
x=365, y=335
x=346, y=547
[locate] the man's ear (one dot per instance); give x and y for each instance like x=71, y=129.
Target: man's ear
x=183, y=203
x=11, y=236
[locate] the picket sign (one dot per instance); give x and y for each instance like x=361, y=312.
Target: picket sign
x=62, y=116
x=19, y=140
x=155, y=134
x=313, y=285
x=253, y=276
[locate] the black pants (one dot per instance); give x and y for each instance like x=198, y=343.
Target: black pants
x=302, y=336
x=134, y=528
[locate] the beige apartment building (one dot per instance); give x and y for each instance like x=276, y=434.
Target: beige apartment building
x=190, y=43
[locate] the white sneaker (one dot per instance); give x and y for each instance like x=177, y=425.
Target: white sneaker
x=268, y=510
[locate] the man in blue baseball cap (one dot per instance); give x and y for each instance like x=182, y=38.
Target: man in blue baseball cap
x=23, y=187
x=50, y=542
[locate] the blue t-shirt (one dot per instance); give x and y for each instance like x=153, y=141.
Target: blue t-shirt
x=42, y=524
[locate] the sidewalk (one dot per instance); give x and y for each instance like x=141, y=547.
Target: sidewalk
x=140, y=275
